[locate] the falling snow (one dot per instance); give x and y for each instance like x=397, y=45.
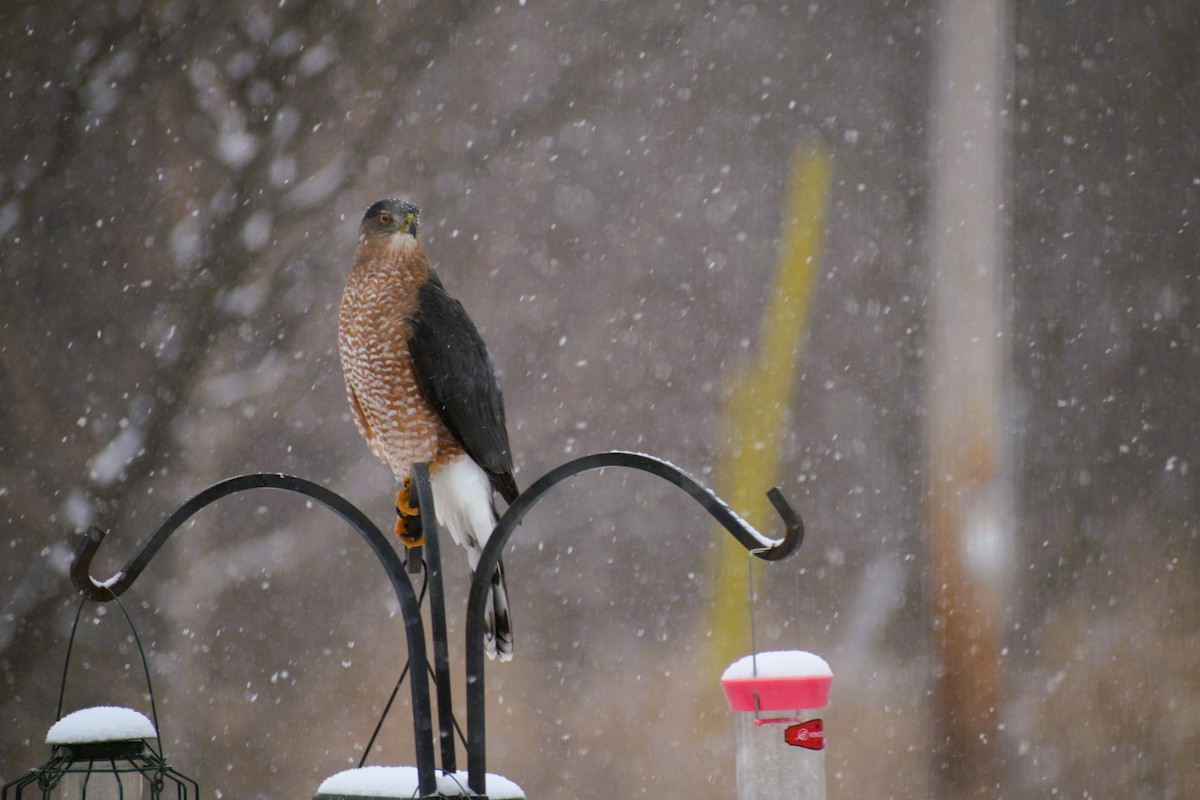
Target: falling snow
x=607, y=192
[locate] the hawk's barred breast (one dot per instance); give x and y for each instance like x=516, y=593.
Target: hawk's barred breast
x=373, y=329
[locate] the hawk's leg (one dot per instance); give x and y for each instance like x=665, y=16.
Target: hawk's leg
x=408, y=519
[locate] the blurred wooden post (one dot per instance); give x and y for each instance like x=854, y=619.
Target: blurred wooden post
x=969, y=491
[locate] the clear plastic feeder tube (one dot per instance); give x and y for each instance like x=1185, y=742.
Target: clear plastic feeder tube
x=779, y=734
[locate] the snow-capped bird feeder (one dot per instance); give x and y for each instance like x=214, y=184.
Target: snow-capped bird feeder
x=103, y=753
x=378, y=783
x=779, y=734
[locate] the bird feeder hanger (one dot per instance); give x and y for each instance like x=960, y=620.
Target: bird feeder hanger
x=427, y=558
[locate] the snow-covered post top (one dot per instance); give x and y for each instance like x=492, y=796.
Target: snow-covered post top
x=780, y=738
x=376, y=783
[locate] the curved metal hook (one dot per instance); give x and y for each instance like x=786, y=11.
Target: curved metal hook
x=102, y=591
x=758, y=545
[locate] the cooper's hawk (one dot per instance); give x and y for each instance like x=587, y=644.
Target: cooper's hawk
x=422, y=388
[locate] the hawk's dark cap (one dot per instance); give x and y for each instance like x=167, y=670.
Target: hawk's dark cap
x=398, y=206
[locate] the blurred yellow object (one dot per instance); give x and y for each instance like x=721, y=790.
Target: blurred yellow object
x=755, y=405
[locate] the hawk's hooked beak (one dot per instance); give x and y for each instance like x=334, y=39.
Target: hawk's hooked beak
x=410, y=224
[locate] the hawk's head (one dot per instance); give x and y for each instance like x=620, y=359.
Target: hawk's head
x=391, y=217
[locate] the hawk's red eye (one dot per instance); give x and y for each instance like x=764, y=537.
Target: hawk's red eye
x=385, y=218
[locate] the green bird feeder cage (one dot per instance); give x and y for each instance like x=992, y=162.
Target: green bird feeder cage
x=103, y=752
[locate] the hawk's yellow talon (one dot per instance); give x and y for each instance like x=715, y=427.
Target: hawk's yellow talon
x=403, y=507
x=406, y=514
x=403, y=535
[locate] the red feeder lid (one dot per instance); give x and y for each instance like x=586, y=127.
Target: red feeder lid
x=783, y=680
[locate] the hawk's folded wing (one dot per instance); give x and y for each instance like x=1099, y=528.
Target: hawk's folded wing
x=457, y=377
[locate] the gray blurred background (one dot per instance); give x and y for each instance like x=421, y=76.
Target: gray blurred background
x=604, y=187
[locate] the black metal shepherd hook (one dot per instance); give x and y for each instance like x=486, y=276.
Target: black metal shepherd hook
x=102, y=591
x=758, y=545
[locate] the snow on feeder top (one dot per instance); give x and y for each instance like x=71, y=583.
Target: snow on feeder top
x=377, y=783
x=101, y=724
x=780, y=746
x=777, y=681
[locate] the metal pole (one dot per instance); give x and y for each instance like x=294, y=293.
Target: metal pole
x=437, y=616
